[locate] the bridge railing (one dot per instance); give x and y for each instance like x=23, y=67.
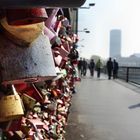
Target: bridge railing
x=129, y=74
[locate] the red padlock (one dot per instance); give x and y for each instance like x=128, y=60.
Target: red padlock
x=26, y=16
x=31, y=90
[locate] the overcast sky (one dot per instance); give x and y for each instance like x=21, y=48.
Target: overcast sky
x=105, y=16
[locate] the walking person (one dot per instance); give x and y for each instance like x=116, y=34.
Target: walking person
x=109, y=66
x=115, y=69
x=98, y=68
x=84, y=67
x=92, y=67
x=80, y=66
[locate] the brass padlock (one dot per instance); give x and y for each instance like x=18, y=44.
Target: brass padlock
x=11, y=107
x=28, y=101
x=21, y=35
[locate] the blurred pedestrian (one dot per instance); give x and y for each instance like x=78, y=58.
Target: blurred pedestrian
x=98, y=67
x=109, y=66
x=80, y=66
x=92, y=67
x=84, y=67
x=115, y=69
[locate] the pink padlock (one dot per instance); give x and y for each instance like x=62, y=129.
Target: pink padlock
x=51, y=35
x=57, y=58
x=51, y=19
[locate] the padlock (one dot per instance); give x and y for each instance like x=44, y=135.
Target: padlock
x=65, y=22
x=35, y=134
x=59, y=101
x=63, y=63
x=18, y=135
x=57, y=57
x=57, y=27
x=25, y=129
x=62, y=31
x=24, y=65
x=21, y=87
x=28, y=101
x=11, y=106
x=52, y=17
x=37, y=108
x=37, y=122
x=52, y=133
x=34, y=93
x=30, y=94
x=54, y=39
x=25, y=16
x=51, y=107
x=59, y=60
x=14, y=125
x=21, y=35
x=63, y=52
x=46, y=100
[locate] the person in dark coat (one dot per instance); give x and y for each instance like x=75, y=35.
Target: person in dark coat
x=80, y=63
x=84, y=67
x=115, y=69
x=92, y=67
x=109, y=66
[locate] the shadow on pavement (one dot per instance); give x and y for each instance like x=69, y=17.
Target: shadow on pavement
x=134, y=106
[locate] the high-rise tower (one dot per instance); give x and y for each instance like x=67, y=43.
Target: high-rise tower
x=115, y=43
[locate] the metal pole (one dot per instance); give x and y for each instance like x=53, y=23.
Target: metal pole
x=77, y=20
x=127, y=74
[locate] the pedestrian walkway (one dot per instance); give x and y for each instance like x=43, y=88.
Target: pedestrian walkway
x=104, y=109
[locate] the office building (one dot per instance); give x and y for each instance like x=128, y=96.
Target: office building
x=115, y=43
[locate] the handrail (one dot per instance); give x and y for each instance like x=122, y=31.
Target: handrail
x=129, y=74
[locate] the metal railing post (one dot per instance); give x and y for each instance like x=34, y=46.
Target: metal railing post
x=127, y=74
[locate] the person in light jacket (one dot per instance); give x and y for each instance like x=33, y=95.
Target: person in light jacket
x=98, y=67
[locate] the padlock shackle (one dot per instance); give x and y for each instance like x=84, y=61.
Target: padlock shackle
x=14, y=90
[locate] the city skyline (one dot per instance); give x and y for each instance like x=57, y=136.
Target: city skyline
x=105, y=16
